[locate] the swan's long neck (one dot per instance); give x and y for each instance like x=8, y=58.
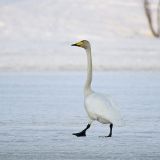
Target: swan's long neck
x=87, y=87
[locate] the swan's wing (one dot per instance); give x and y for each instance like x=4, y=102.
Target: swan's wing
x=104, y=107
x=112, y=111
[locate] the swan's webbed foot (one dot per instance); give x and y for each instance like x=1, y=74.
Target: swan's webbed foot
x=105, y=136
x=110, y=134
x=82, y=133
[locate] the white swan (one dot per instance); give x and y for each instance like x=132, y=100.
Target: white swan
x=98, y=106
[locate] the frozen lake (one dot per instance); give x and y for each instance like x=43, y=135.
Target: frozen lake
x=40, y=111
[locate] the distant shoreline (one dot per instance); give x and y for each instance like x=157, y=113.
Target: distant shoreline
x=81, y=70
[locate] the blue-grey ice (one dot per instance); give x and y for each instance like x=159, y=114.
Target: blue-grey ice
x=40, y=111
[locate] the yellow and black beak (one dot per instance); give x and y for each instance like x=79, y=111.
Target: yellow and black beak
x=74, y=44
x=79, y=44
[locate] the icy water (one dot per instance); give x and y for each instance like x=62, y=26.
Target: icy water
x=40, y=111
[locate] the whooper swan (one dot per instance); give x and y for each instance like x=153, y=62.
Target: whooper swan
x=98, y=106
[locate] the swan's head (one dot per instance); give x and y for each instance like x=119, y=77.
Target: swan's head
x=83, y=44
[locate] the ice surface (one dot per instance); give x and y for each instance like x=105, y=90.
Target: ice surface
x=36, y=35
x=40, y=111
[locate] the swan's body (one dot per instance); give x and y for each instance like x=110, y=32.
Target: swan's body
x=101, y=108
x=98, y=106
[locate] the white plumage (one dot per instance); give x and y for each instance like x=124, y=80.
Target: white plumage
x=102, y=108
x=98, y=106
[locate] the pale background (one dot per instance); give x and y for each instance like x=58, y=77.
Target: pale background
x=35, y=35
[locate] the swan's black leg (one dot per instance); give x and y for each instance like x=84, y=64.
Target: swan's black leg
x=82, y=133
x=110, y=134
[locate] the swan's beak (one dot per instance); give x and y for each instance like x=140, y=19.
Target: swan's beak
x=73, y=44
x=79, y=44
